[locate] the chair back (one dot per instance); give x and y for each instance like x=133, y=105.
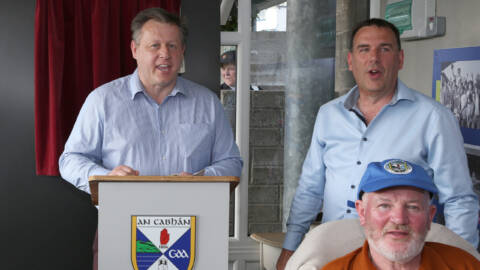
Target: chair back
x=335, y=239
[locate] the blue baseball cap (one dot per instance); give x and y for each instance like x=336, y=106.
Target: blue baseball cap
x=393, y=173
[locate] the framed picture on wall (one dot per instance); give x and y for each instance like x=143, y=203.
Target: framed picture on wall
x=456, y=84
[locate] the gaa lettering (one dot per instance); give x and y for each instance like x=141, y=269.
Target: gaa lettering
x=178, y=253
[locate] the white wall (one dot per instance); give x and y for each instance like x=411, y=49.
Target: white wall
x=462, y=30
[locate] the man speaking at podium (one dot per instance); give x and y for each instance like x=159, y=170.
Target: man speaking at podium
x=151, y=122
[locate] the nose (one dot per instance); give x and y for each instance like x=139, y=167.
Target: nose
x=374, y=54
x=399, y=215
x=164, y=52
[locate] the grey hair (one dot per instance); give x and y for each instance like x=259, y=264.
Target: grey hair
x=159, y=15
x=365, y=196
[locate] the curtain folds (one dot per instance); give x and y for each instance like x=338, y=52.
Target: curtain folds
x=79, y=45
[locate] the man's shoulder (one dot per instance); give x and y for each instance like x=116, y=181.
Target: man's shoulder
x=345, y=262
x=422, y=99
x=196, y=90
x=224, y=86
x=440, y=247
x=334, y=104
x=113, y=88
x=449, y=253
x=423, y=104
x=117, y=83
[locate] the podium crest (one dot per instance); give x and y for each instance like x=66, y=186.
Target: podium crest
x=163, y=242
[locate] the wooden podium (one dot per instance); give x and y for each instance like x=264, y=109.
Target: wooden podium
x=162, y=222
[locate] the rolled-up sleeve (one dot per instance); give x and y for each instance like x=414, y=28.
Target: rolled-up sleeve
x=451, y=176
x=309, y=194
x=81, y=157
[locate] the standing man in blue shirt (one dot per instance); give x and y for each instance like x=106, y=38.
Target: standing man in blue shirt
x=380, y=118
x=151, y=122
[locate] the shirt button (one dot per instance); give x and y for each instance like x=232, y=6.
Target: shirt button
x=164, y=158
x=352, y=186
x=348, y=211
x=359, y=162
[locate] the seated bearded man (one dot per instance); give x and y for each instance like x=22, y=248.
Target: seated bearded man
x=395, y=211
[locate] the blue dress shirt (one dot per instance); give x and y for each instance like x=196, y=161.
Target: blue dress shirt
x=120, y=124
x=412, y=127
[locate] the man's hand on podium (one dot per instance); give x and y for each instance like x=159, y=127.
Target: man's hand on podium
x=123, y=170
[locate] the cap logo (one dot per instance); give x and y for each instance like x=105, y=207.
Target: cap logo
x=397, y=167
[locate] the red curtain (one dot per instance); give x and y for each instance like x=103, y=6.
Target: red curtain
x=79, y=45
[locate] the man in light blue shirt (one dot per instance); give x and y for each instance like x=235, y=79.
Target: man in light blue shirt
x=151, y=122
x=379, y=119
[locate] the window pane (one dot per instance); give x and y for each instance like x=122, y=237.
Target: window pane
x=229, y=15
x=269, y=18
x=268, y=73
x=268, y=59
x=268, y=46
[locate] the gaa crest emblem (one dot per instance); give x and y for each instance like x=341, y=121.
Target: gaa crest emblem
x=397, y=167
x=163, y=242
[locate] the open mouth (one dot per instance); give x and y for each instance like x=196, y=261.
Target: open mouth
x=163, y=67
x=374, y=73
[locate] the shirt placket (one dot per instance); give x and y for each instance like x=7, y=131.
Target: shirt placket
x=362, y=145
x=161, y=131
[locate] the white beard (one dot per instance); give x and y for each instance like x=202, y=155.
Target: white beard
x=414, y=248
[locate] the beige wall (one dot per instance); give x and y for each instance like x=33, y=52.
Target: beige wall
x=462, y=30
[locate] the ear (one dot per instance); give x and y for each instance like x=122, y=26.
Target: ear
x=133, y=47
x=361, y=211
x=349, y=60
x=401, y=58
x=432, y=211
x=183, y=49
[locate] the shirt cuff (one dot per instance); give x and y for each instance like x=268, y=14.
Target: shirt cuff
x=209, y=171
x=292, y=240
x=98, y=170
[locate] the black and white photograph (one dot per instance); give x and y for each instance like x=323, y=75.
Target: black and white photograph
x=460, y=91
x=456, y=84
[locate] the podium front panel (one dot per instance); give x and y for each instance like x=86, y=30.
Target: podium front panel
x=119, y=202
